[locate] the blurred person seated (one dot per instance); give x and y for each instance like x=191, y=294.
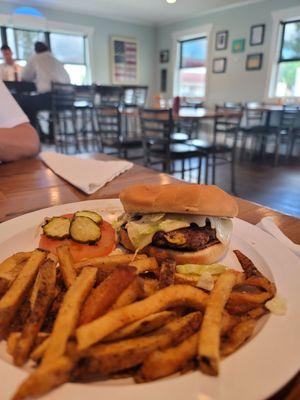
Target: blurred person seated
x=43, y=69
x=10, y=70
x=18, y=139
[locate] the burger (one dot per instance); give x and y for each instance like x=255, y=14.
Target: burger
x=189, y=223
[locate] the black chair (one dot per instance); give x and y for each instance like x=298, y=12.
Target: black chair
x=221, y=148
x=110, y=95
x=109, y=133
x=255, y=125
x=285, y=130
x=84, y=105
x=161, y=148
x=63, y=116
x=295, y=134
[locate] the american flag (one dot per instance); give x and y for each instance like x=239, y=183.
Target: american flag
x=125, y=57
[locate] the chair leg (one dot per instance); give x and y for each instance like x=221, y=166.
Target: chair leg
x=206, y=168
x=214, y=169
x=277, y=150
x=199, y=169
x=232, y=167
x=182, y=169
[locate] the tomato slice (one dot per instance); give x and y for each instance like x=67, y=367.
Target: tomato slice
x=103, y=247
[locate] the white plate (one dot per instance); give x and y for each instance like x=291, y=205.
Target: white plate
x=254, y=372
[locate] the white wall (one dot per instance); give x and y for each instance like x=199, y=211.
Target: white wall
x=236, y=84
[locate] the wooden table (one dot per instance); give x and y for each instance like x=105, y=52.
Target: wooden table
x=29, y=185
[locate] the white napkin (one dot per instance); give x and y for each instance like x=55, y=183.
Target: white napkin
x=267, y=224
x=86, y=175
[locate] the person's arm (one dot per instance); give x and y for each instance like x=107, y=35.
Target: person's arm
x=18, y=142
x=28, y=72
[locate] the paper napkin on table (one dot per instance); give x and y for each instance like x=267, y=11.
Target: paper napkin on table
x=267, y=224
x=86, y=175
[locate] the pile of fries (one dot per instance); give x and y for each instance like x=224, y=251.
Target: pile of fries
x=121, y=315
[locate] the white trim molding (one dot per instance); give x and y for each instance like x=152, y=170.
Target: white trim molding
x=287, y=14
x=197, y=31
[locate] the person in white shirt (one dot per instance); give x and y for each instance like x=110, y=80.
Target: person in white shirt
x=18, y=139
x=43, y=69
x=9, y=69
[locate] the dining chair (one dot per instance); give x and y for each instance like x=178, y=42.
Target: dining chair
x=111, y=138
x=134, y=98
x=84, y=105
x=161, y=146
x=63, y=114
x=285, y=130
x=255, y=125
x=295, y=134
x=220, y=149
x=110, y=95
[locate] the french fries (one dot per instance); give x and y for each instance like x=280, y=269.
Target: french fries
x=167, y=273
x=66, y=265
x=104, y=359
x=106, y=293
x=107, y=263
x=45, y=290
x=209, y=337
x=68, y=314
x=13, y=298
x=145, y=325
x=171, y=296
x=133, y=292
x=162, y=363
x=10, y=269
x=125, y=321
x=239, y=334
x=45, y=378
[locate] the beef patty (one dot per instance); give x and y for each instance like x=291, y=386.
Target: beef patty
x=192, y=238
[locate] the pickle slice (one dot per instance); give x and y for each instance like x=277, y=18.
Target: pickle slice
x=57, y=228
x=84, y=230
x=90, y=214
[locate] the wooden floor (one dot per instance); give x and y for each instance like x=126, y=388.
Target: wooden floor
x=274, y=187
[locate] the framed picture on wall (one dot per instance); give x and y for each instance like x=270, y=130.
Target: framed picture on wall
x=163, y=80
x=257, y=35
x=221, y=40
x=219, y=65
x=238, y=46
x=124, y=60
x=254, y=61
x=164, y=56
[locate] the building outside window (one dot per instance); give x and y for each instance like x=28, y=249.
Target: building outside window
x=70, y=49
x=192, y=67
x=288, y=70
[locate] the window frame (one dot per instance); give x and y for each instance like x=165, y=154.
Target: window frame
x=284, y=24
x=178, y=36
x=47, y=39
x=278, y=16
x=180, y=50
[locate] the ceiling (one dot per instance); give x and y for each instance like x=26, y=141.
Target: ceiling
x=150, y=12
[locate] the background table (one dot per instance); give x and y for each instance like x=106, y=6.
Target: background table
x=29, y=185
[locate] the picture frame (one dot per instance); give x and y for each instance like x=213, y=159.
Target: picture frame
x=219, y=65
x=257, y=35
x=164, y=56
x=221, y=40
x=238, y=46
x=254, y=61
x=124, y=60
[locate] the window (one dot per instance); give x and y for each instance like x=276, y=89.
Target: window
x=69, y=49
x=192, y=67
x=288, y=71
